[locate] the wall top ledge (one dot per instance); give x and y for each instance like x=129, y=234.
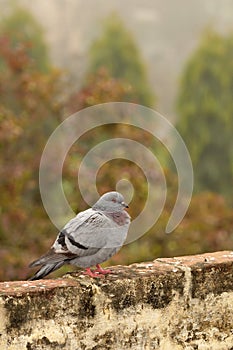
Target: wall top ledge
x=210, y=272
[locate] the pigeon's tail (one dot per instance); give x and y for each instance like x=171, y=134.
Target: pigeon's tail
x=46, y=269
x=49, y=262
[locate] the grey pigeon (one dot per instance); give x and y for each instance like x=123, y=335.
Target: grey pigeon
x=90, y=238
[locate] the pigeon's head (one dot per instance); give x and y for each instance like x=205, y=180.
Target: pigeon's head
x=110, y=201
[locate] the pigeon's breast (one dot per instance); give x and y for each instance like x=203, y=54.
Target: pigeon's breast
x=121, y=218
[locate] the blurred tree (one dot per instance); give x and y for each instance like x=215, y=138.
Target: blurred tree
x=30, y=107
x=21, y=27
x=206, y=109
x=100, y=87
x=117, y=52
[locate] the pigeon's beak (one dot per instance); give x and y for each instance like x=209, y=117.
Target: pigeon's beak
x=125, y=205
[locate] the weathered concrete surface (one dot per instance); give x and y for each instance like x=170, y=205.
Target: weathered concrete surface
x=168, y=304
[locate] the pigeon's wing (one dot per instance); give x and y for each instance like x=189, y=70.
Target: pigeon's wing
x=85, y=234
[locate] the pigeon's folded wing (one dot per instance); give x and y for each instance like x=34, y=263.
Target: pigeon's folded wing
x=85, y=234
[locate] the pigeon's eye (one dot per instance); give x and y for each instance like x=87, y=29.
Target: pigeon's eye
x=114, y=200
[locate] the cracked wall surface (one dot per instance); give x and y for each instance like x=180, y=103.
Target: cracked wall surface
x=174, y=303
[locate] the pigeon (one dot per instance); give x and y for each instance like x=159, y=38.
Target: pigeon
x=90, y=238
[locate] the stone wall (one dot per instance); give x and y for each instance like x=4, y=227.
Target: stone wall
x=175, y=303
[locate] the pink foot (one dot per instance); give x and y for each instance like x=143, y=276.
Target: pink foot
x=102, y=271
x=90, y=273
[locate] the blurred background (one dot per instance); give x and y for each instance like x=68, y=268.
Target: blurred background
x=60, y=56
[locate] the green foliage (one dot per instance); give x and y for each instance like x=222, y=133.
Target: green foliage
x=21, y=27
x=206, y=109
x=117, y=52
